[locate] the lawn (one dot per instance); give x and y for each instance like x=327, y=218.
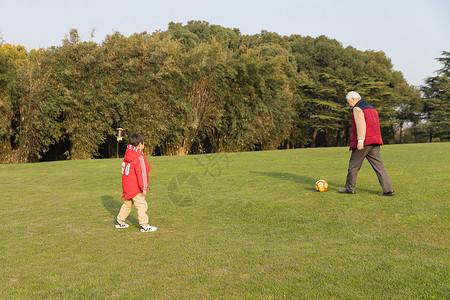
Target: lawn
x=230, y=226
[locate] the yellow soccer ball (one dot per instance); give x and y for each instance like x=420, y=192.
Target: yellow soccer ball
x=321, y=185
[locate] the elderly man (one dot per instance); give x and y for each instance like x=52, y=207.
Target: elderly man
x=365, y=142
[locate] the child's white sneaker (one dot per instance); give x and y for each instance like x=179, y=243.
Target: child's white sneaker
x=148, y=228
x=121, y=225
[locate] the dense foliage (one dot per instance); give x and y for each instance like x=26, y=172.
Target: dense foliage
x=197, y=88
x=436, y=102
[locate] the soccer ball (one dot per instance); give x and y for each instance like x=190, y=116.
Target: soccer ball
x=321, y=185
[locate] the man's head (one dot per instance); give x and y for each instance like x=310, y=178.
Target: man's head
x=353, y=98
x=137, y=139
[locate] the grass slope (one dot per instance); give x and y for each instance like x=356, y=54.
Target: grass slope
x=238, y=225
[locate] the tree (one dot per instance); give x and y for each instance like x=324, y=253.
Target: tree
x=436, y=101
x=196, y=88
x=8, y=56
x=323, y=110
x=87, y=117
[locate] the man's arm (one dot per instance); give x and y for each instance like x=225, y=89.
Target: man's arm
x=360, y=121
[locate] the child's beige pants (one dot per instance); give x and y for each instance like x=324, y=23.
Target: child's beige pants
x=141, y=205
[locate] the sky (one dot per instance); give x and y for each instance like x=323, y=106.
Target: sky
x=412, y=33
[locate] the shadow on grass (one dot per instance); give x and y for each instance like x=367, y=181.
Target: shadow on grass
x=114, y=206
x=307, y=181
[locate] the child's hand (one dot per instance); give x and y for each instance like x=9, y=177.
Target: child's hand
x=144, y=192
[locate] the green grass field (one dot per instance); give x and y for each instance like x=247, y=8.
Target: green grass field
x=230, y=226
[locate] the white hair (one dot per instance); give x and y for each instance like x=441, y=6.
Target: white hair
x=353, y=95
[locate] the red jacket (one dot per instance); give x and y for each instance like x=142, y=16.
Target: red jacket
x=373, y=131
x=135, y=170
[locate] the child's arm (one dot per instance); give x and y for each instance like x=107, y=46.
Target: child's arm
x=141, y=175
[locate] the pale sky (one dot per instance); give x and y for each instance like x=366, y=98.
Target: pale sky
x=411, y=32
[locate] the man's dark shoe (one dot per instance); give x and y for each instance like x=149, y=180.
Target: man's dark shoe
x=386, y=194
x=346, y=192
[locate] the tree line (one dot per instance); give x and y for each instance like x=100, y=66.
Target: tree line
x=199, y=88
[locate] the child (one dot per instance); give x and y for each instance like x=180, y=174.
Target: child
x=135, y=170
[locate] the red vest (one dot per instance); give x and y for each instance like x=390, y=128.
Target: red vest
x=373, y=132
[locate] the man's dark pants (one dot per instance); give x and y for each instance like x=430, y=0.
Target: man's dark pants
x=372, y=153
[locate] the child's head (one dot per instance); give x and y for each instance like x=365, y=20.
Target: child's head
x=136, y=139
